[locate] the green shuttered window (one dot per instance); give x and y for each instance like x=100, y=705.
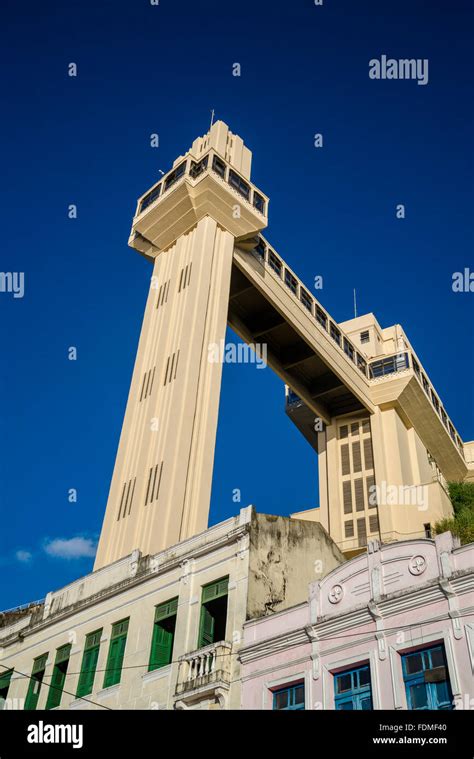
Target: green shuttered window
x=34, y=687
x=162, y=642
x=118, y=641
x=59, y=676
x=213, y=612
x=5, y=677
x=89, y=663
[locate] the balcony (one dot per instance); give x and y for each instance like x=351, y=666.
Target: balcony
x=191, y=190
x=204, y=670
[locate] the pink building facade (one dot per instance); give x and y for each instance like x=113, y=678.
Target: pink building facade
x=392, y=628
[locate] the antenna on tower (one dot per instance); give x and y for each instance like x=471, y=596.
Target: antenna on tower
x=212, y=118
x=355, y=304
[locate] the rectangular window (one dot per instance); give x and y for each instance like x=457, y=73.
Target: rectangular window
x=389, y=365
x=356, y=457
x=5, y=678
x=343, y=431
x=198, y=168
x=335, y=333
x=289, y=699
x=362, y=532
x=274, y=262
x=355, y=429
x=260, y=249
x=345, y=464
x=362, y=364
x=321, y=318
x=426, y=678
x=352, y=689
x=435, y=401
x=239, y=184
x=359, y=494
x=89, y=663
x=212, y=625
x=173, y=176
x=163, y=634
x=150, y=198
x=306, y=299
x=34, y=687
x=347, y=497
x=451, y=431
x=59, y=677
x=348, y=349
x=427, y=529
x=364, y=336
x=425, y=383
x=368, y=456
x=291, y=281
x=371, y=492
x=349, y=529
x=444, y=417
x=219, y=166
x=416, y=367
x=373, y=523
x=258, y=202
x=118, y=640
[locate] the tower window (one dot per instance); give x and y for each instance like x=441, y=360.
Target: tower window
x=150, y=198
x=306, y=299
x=362, y=364
x=274, y=262
x=238, y=184
x=321, y=318
x=362, y=532
x=219, y=166
x=427, y=529
x=365, y=336
x=291, y=281
x=173, y=176
x=348, y=349
x=259, y=202
x=198, y=168
x=335, y=334
x=349, y=529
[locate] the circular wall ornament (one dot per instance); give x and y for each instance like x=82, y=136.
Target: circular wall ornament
x=417, y=565
x=335, y=594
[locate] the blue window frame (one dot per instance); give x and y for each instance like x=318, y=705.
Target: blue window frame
x=426, y=678
x=352, y=689
x=290, y=698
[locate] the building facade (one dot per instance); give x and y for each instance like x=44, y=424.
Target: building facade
x=392, y=628
x=161, y=631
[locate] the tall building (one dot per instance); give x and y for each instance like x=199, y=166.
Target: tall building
x=358, y=393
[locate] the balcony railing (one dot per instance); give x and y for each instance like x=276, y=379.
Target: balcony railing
x=195, y=169
x=205, y=667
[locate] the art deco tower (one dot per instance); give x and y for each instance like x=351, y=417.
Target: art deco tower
x=186, y=225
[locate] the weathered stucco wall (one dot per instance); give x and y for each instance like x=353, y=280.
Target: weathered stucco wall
x=285, y=556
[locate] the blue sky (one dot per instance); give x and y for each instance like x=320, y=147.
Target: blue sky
x=146, y=69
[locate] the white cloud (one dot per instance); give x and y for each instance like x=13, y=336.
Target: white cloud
x=70, y=548
x=23, y=556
